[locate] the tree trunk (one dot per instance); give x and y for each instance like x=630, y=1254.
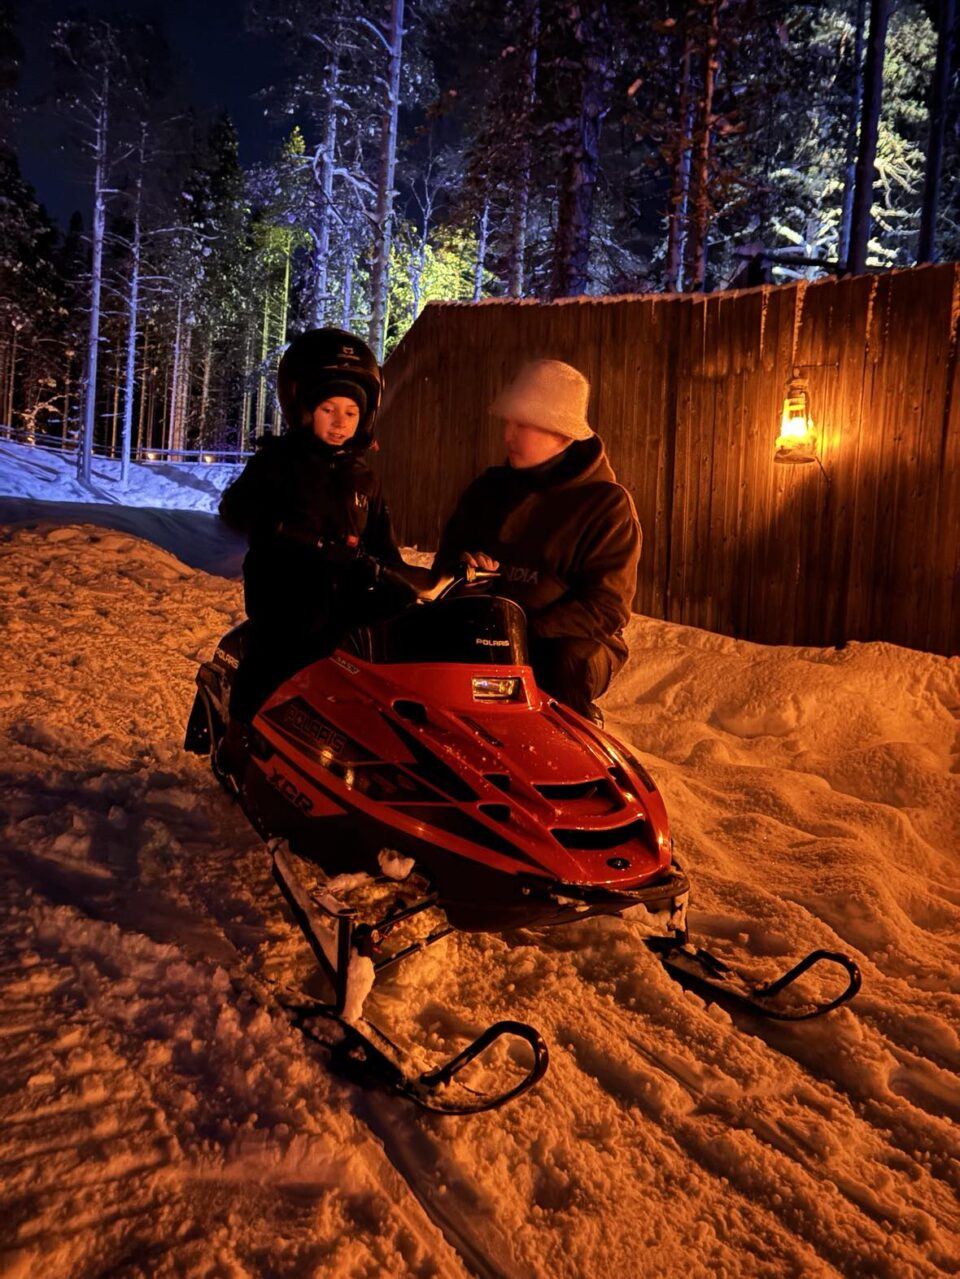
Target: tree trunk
x=264, y=348
x=164, y=408
x=939, y=89
x=347, y=309
x=699, y=200
x=853, y=135
x=115, y=413
x=521, y=192
x=84, y=459
x=284, y=314
x=481, y=252
x=205, y=392
x=869, y=132
x=133, y=309
x=680, y=185
x=11, y=379
x=4, y=392
x=321, y=236
x=65, y=422
x=174, y=389
x=380, y=272
x=575, y=213
x=13, y=374
x=146, y=394
x=183, y=397
x=415, y=275
x=285, y=292
x=245, y=402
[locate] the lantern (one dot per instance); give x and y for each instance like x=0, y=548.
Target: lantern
x=797, y=441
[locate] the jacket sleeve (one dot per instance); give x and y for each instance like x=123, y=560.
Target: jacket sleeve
x=459, y=533
x=604, y=581
x=252, y=499
x=379, y=539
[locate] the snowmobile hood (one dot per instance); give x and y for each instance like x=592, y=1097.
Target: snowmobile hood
x=523, y=785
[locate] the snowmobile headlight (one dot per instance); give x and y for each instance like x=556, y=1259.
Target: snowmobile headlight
x=488, y=688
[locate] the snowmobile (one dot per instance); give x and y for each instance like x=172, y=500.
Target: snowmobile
x=422, y=755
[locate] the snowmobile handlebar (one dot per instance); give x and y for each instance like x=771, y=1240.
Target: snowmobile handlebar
x=466, y=575
x=429, y=587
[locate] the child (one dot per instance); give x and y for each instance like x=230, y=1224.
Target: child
x=314, y=513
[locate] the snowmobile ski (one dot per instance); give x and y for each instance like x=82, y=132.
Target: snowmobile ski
x=698, y=969
x=358, y=1048
x=365, y=1055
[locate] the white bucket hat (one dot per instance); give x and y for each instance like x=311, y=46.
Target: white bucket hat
x=548, y=394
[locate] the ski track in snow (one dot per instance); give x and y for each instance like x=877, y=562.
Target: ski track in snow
x=156, y=1120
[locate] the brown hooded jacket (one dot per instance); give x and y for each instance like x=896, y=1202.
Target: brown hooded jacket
x=567, y=538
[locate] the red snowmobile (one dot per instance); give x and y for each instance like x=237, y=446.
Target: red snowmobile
x=427, y=736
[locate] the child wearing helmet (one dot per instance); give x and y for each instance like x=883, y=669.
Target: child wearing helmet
x=313, y=511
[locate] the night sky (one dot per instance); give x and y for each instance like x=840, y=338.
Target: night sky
x=221, y=66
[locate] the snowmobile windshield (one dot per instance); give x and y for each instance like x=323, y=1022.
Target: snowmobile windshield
x=483, y=629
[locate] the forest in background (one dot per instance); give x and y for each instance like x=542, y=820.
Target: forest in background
x=448, y=149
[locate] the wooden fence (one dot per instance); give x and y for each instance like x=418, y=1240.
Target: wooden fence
x=687, y=393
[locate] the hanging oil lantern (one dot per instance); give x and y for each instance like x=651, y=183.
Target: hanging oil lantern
x=797, y=441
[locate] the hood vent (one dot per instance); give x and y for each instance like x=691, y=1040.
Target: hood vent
x=500, y=780
x=601, y=841
x=576, y=800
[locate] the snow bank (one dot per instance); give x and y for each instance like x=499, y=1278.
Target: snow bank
x=51, y=476
x=195, y=538
x=155, y=1120
x=173, y=506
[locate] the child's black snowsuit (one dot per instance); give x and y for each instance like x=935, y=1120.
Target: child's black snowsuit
x=319, y=529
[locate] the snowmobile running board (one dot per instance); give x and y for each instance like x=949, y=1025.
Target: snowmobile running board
x=357, y=1047
x=700, y=970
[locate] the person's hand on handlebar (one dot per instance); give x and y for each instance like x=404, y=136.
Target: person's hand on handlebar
x=480, y=560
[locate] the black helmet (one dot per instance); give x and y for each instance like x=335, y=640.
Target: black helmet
x=326, y=362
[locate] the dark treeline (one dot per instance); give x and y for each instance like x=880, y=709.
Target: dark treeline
x=449, y=149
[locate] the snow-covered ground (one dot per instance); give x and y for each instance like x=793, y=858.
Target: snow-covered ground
x=51, y=475
x=155, y=1121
